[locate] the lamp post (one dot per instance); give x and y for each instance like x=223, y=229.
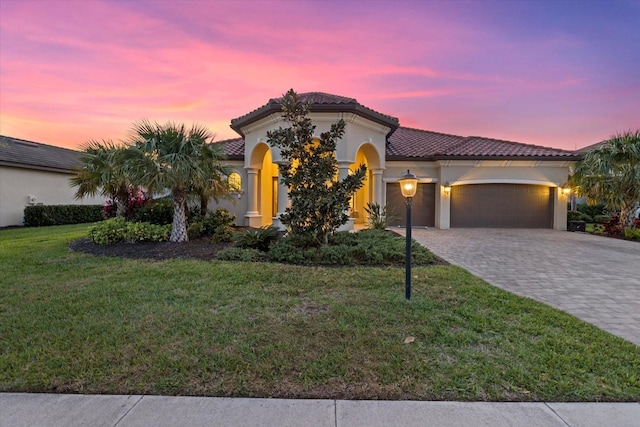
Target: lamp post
x=408, y=186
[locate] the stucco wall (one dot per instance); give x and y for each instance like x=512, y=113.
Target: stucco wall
x=17, y=185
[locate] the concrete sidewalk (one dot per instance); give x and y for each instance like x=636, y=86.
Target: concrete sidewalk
x=52, y=410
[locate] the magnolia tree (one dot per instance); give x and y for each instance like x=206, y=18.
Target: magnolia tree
x=610, y=173
x=319, y=199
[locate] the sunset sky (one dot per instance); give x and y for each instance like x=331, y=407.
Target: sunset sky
x=557, y=73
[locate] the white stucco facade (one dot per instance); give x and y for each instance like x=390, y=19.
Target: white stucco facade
x=22, y=187
x=264, y=198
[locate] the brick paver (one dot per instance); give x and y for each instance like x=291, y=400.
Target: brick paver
x=597, y=279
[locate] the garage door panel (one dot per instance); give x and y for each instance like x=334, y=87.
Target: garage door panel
x=422, y=209
x=502, y=206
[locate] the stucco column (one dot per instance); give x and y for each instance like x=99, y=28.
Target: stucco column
x=343, y=172
x=443, y=207
x=283, y=198
x=252, y=217
x=376, y=191
x=559, y=209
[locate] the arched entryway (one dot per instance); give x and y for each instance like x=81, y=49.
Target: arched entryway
x=371, y=191
x=262, y=187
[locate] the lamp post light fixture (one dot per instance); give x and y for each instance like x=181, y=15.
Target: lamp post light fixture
x=408, y=186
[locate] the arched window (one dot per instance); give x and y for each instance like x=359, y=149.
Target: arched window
x=235, y=182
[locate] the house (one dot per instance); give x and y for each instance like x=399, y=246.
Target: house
x=32, y=173
x=463, y=181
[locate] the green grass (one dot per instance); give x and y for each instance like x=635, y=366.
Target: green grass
x=76, y=323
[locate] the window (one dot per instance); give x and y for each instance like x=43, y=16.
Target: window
x=235, y=182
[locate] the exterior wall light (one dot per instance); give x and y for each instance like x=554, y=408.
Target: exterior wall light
x=565, y=189
x=408, y=186
x=447, y=187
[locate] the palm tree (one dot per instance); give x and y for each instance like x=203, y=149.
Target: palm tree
x=170, y=158
x=610, y=173
x=217, y=188
x=103, y=172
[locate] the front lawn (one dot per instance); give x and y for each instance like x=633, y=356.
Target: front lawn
x=77, y=323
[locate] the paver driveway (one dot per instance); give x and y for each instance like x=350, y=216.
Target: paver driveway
x=597, y=279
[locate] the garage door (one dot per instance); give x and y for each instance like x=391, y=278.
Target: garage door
x=502, y=205
x=423, y=207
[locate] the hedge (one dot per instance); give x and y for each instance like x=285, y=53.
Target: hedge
x=43, y=215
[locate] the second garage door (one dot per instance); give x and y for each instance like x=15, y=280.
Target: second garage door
x=502, y=206
x=422, y=208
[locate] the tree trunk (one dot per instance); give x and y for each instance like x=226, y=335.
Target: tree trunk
x=121, y=207
x=627, y=215
x=179, y=226
x=204, y=205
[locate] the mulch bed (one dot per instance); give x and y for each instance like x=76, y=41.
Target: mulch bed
x=203, y=249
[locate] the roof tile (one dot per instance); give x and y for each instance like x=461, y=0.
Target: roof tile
x=28, y=154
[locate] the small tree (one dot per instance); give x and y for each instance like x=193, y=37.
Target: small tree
x=104, y=172
x=170, y=158
x=610, y=173
x=319, y=200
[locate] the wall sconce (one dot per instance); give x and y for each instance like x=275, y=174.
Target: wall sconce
x=565, y=189
x=447, y=187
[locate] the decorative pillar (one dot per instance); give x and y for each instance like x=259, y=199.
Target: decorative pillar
x=343, y=172
x=253, y=217
x=376, y=191
x=283, y=198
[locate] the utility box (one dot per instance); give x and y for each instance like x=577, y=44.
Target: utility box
x=577, y=226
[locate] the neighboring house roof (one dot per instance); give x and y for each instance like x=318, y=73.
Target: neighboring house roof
x=319, y=102
x=583, y=150
x=20, y=153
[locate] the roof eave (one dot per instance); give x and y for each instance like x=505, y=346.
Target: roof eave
x=268, y=109
x=498, y=157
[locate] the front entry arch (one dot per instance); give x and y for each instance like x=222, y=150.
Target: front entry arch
x=263, y=193
x=371, y=191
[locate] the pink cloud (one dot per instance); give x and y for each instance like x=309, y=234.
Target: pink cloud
x=73, y=71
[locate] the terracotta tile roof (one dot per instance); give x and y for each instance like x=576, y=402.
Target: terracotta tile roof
x=487, y=147
x=408, y=143
x=318, y=102
x=233, y=148
x=21, y=153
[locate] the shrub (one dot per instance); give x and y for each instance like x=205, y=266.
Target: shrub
x=573, y=216
x=284, y=251
x=217, y=224
x=367, y=247
x=117, y=230
x=241, y=254
x=378, y=218
x=632, y=233
x=155, y=211
x=590, y=210
x=343, y=238
x=44, y=215
x=257, y=238
x=586, y=218
x=613, y=227
x=334, y=255
x=601, y=219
